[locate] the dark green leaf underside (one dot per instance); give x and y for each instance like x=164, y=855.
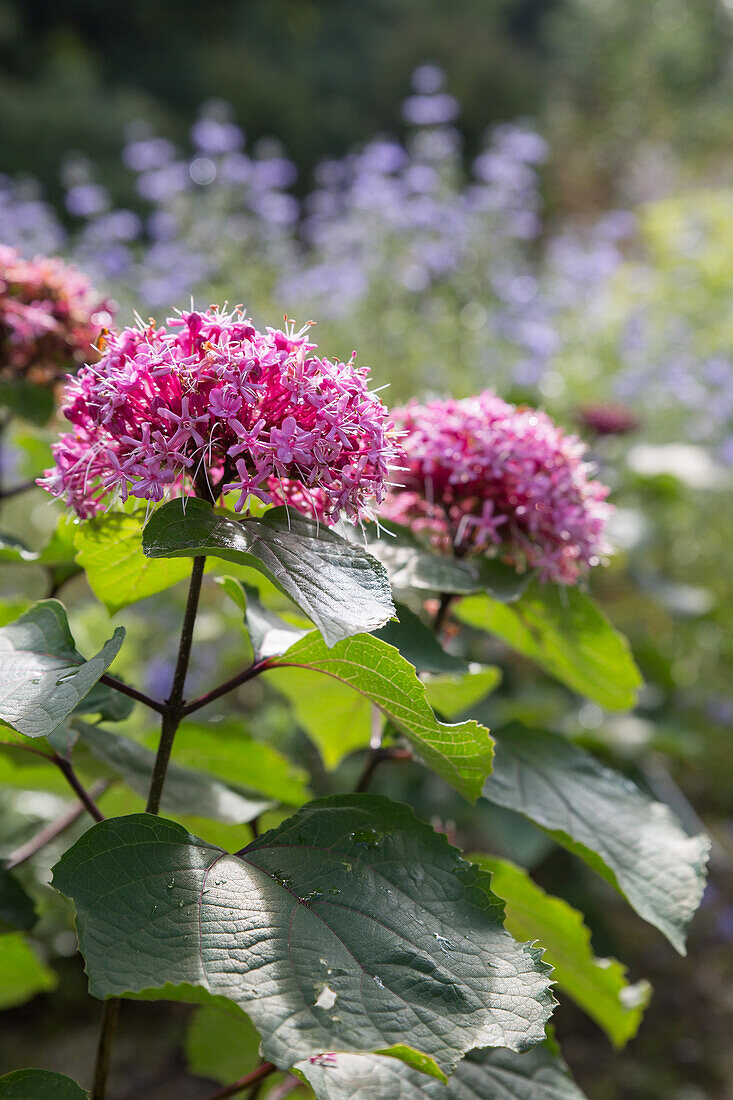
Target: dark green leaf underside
x=337, y=584
x=637, y=844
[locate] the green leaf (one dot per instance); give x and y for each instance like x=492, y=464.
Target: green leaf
x=42, y=676
x=39, y=1084
x=482, y=1075
x=22, y=975
x=417, y=643
x=460, y=754
x=337, y=719
x=564, y=632
x=221, y=1043
x=110, y=551
x=13, y=550
x=111, y=705
x=350, y=926
x=451, y=695
x=269, y=634
x=59, y=550
x=227, y=751
x=29, y=402
x=635, y=843
x=17, y=911
x=598, y=986
x=337, y=584
x=415, y=1060
x=412, y=565
x=185, y=791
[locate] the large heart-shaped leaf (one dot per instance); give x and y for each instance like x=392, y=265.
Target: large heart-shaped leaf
x=599, y=986
x=17, y=911
x=111, y=553
x=185, y=792
x=39, y=1084
x=637, y=844
x=22, y=974
x=460, y=753
x=337, y=584
x=483, y=1075
x=43, y=677
x=563, y=631
x=350, y=926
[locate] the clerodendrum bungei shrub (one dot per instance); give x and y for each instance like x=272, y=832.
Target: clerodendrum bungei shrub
x=371, y=555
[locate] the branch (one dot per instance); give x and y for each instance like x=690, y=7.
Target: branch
x=227, y=686
x=374, y=759
x=445, y=601
x=16, y=490
x=125, y=689
x=79, y=790
x=53, y=829
x=251, y=1079
x=173, y=710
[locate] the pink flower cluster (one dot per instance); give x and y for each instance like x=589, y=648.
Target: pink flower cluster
x=207, y=403
x=50, y=319
x=483, y=475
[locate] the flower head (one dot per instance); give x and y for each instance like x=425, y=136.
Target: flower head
x=206, y=402
x=482, y=475
x=50, y=318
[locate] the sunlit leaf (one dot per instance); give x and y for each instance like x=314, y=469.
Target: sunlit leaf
x=598, y=986
x=460, y=754
x=563, y=631
x=482, y=1075
x=43, y=677
x=22, y=974
x=337, y=584
x=350, y=926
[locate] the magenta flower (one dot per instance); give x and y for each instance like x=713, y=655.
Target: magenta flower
x=484, y=476
x=50, y=319
x=207, y=404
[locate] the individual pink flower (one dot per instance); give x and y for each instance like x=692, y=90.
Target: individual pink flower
x=207, y=404
x=50, y=319
x=483, y=476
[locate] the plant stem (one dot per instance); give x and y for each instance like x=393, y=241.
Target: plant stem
x=445, y=601
x=139, y=696
x=53, y=829
x=174, y=709
x=252, y=1079
x=110, y=1014
x=374, y=759
x=227, y=686
x=73, y=780
x=16, y=490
